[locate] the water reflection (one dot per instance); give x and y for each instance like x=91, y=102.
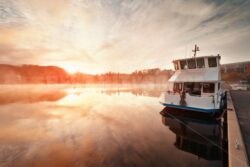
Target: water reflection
x=201, y=137
x=87, y=127
x=142, y=90
x=52, y=93
x=29, y=94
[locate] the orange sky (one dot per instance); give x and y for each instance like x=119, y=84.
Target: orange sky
x=122, y=36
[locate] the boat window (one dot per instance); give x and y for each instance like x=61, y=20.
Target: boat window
x=212, y=62
x=200, y=63
x=197, y=89
x=191, y=64
x=177, y=87
x=193, y=88
x=208, y=87
x=183, y=64
x=176, y=67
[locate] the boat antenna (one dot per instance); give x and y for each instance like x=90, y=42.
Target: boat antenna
x=196, y=48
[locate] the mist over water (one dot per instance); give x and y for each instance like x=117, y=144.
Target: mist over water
x=92, y=125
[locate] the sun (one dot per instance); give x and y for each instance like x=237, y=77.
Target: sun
x=79, y=67
x=71, y=69
x=75, y=68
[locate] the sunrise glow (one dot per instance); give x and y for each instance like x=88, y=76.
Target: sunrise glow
x=120, y=83
x=122, y=36
x=71, y=69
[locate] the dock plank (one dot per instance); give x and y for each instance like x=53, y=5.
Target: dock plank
x=240, y=111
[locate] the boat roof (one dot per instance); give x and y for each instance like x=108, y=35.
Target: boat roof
x=197, y=57
x=194, y=75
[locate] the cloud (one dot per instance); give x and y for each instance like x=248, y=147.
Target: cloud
x=9, y=13
x=116, y=35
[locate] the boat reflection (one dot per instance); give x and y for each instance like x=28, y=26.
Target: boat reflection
x=198, y=136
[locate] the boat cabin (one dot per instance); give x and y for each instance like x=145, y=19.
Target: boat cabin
x=197, y=88
x=198, y=76
x=197, y=63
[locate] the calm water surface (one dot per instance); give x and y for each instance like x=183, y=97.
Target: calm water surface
x=101, y=125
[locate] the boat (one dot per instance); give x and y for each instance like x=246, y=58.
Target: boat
x=196, y=85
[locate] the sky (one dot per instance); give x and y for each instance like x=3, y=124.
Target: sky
x=97, y=36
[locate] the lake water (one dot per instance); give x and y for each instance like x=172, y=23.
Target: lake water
x=100, y=125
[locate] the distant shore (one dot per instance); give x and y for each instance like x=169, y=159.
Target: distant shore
x=36, y=74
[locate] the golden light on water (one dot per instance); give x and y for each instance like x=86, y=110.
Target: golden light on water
x=85, y=125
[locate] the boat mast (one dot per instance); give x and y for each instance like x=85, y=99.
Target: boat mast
x=196, y=48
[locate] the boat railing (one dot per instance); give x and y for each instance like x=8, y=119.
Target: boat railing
x=171, y=92
x=196, y=101
x=215, y=99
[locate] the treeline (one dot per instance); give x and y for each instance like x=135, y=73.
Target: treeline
x=142, y=76
x=32, y=74
x=10, y=74
x=235, y=76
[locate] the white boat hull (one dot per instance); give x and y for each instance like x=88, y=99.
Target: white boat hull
x=208, y=104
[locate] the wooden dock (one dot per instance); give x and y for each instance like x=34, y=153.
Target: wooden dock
x=238, y=120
